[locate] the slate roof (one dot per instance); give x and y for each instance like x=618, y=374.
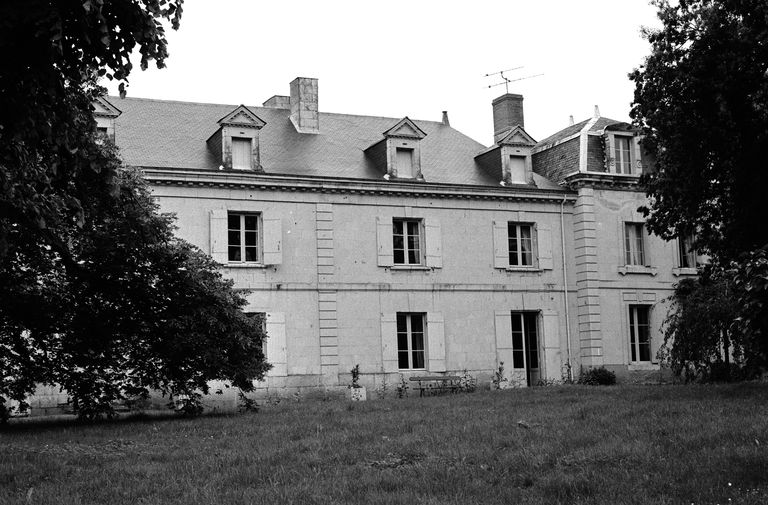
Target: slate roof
x=600, y=124
x=171, y=134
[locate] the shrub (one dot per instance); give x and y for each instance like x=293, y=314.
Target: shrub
x=597, y=377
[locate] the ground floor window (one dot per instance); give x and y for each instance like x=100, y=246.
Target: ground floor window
x=639, y=333
x=410, y=341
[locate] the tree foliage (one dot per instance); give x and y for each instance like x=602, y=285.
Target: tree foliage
x=701, y=98
x=96, y=294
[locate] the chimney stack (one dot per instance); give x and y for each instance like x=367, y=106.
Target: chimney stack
x=507, y=113
x=304, y=112
x=570, y=120
x=445, y=118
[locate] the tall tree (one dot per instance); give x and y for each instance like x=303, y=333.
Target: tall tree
x=96, y=295
x=701, y=98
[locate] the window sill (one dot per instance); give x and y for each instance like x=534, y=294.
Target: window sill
x=638, y=269
x=411, y=267
x=524, y=269
x=684, y=271
x=245, y=265
x=642, y=367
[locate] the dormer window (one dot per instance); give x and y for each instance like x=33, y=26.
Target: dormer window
x=242, y=158
x=399, y=152
x=622, y=151
x=235, y=145
x=509, y=160
x=404, y=162
x=105, y=114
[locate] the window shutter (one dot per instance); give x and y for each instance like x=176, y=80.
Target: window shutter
x=544, y=243
x=384, y=242
x=500, y=244
x=654, y=334
x=550, y=323
x=389, y=342
x=435, y=342
x=276, y=344
x=610, y=158
x=434, y=243
x=218, y=232
x=503, y=320
x=273, y=241
x=637, y=156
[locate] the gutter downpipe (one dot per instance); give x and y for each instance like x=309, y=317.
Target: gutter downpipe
x=565, y=288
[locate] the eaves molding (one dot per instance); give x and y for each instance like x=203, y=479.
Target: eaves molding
x=268, y=182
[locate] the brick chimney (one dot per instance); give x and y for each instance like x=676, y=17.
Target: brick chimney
x=304, y=113
x=507, y=113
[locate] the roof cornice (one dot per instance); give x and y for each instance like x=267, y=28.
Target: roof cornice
x=270, y=182
x=600, y=180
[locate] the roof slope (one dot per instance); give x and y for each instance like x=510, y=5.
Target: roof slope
x=170, y=134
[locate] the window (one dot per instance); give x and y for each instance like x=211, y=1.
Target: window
x=517, y=169
x=410, y=341
x=406, y=241
x=241, y=153
x=639, y=333
x=686, y=252
x=520, y=244
x=634, y=248
x=404, y=162
x=622, y=154
x=243, y=238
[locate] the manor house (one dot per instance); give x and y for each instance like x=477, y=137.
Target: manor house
x=406, y=247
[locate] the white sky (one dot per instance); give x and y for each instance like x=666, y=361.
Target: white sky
x=412, y=58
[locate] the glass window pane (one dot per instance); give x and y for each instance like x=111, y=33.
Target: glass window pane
x=417, y=341
x=234, y=253
x=251, y=238
x=402, y=341
x=402, y=359
x=401, y=323
x=417, y=323
x=251, y=222
x=518, y=360
x=418, y=359
x=413, y=257
x=399, y=256
x=517, y=322
x=397, y=227
x=413, y=228
x=251, y=254
x=645, y=352
x=233, y=221
x=233, y=237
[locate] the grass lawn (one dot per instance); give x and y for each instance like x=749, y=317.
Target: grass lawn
x=570, y=444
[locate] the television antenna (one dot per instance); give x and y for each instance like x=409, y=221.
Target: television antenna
x=507, y=80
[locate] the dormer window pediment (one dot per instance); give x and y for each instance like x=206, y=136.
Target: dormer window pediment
x=405, y=128
x=236, y=142
x=105, y=114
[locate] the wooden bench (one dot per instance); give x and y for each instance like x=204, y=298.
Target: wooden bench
x=436, y=384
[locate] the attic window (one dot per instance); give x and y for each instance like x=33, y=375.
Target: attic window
x=241, y=153
x=517, y=169
x=623, y=148
x=404, y=162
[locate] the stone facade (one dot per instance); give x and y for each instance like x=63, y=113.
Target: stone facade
x=534, y=272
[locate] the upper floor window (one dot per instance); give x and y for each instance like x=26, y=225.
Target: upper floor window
x=623, y=154
x=406, y=242
x=241, y=153
x=411, y=351
x=404, y=162
x=520, y=244
x=686, y=253
x=243, y=238
x=634, y=244
x=639, y=333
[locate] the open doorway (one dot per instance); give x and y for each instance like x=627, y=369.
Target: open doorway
x=525, y=345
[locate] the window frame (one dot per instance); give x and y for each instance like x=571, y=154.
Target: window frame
x=410, y=348
x=406, y=250
x=249, y=157
x=519, y=253
x=412, y=158
x=631, y=250
x=259, y=246
x=688, y=252
x=634, y=326
x=618, y=159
